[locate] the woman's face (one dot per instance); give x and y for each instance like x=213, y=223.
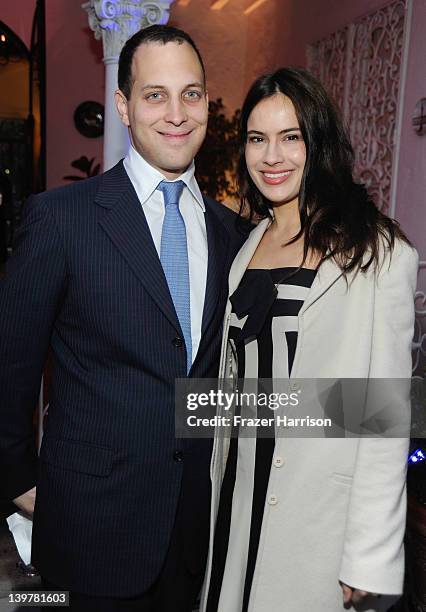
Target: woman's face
x=275, y=152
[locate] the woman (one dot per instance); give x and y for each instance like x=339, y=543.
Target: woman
x=323, y=288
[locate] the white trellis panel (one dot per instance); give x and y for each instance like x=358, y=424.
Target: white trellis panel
x=360, y=66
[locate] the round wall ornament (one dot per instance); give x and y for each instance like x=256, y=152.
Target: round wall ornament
x=89, y=119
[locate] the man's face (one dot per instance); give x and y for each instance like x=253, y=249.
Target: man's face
x=168, y=106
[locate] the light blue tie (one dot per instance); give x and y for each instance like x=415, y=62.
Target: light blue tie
x=174, y=259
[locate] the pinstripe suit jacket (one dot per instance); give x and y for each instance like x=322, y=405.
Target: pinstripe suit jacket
x=86, y=281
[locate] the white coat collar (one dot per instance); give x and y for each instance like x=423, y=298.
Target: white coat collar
x=327, y=274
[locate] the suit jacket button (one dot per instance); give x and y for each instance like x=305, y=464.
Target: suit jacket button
x=177, y=342
x=178, y=456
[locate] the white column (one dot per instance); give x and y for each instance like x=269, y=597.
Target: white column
x=115, y=21
x=116, y=137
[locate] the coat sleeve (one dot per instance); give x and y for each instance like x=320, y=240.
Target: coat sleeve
x=373, y=553
x=30, y=293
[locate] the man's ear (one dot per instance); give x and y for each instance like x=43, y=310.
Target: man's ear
x=121, y=104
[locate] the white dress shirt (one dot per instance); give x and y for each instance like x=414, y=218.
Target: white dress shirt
x=145, y=179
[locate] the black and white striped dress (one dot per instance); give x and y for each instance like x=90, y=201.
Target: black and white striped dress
x=264, y=327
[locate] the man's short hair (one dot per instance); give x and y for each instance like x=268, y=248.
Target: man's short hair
x=153, y=34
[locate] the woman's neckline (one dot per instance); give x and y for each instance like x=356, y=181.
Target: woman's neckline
x=283, y=268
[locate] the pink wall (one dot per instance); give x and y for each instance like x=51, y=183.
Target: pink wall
x=221, y=38
x=75, y=73
x=411, y=186
x=310, y=20
x=19, y=17
x=237, y=48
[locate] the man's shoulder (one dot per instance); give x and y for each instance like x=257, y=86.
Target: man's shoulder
x=82, y=191
x=220, y=208
x=231, y=219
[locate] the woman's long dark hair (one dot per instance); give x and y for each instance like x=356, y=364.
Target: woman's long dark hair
x=338, y=218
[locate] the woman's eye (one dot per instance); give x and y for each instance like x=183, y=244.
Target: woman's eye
x=255, y=139
x=292, y=137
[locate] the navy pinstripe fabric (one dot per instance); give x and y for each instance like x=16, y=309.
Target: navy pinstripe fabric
x=85, y=279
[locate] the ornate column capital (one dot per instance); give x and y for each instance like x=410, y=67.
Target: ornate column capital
x=115, y=21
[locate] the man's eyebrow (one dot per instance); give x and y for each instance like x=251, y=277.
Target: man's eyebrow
x=149, y=86
x=293, y=129
x=162, y=87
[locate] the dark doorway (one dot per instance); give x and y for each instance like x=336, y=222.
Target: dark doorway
x=22, y=122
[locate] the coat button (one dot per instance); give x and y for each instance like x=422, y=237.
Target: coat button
x=177, y=342
x=278, y=462
x=272, y=500
x=178, y=456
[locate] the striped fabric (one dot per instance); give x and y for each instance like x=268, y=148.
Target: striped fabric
x=267, y=355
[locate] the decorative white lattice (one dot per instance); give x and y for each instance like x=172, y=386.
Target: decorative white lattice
x=360, y=66
x=327, y=60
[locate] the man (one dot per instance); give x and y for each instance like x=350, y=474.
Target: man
x=125, y=277
x=6, y=214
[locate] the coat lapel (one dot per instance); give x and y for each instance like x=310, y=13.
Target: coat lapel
x=245, y=254
x=218, y=245
x=125, y=223
x=327, y=274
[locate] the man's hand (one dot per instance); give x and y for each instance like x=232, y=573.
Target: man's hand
x=354, y=596
x=26, y=501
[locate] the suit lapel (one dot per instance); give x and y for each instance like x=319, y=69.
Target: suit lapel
x=217, y=244
x=126, y=225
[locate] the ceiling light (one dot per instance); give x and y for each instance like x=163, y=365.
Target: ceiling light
x=254, y=6
x=218, y=4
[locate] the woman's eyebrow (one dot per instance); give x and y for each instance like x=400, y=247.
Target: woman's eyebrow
x=293, y=129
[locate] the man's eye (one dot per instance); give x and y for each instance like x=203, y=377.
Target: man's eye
x=193, y=95
x=156, y=95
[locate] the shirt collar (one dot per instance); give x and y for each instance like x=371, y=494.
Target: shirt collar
x=145, y=178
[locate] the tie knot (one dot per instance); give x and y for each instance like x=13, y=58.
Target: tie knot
x=171, y=191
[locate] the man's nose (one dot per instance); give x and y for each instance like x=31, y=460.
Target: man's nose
x=176, y=111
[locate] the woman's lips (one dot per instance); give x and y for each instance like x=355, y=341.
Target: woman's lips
x=276, y=178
